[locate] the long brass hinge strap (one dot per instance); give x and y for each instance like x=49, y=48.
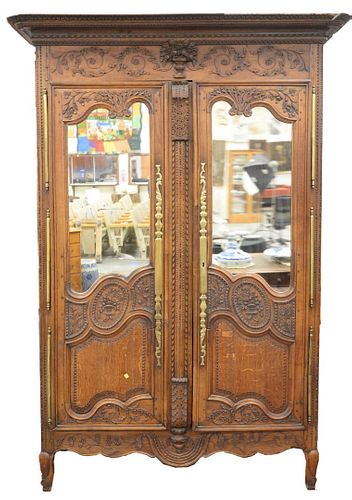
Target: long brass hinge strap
x=314, y=138
x=48, y=260
x=311, y=263
x=45, y=140
x=309, y=374
x=48, y=375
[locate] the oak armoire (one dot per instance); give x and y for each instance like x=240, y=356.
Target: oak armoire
x=179, y=185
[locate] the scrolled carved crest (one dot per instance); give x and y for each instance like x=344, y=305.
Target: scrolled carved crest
x=247, y=414
x=109, y=305
x=242, y=100
x=113, y=414
x=118, y=101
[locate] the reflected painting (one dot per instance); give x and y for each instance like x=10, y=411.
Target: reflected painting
x=251, y=194
x=108, y=193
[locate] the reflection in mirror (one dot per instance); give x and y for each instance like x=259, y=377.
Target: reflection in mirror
x=109, y=206
x=251, y=176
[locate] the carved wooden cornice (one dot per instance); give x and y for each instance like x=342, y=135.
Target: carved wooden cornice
x=221, y=28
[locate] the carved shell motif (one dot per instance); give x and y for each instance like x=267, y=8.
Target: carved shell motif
x=109, y=305
x=251, y=304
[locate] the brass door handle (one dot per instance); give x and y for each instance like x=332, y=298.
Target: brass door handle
x=203, y=272
x=158, y=264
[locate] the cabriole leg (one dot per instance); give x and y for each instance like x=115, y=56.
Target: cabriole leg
x=46, y=461
x=312, y=459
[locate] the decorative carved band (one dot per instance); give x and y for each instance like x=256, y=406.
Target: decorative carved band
x=158, y=264
x=203, y=242
x=118, y=102
x=179, y=56
x=242, y=100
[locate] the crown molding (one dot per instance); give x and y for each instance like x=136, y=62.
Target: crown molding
x=40, y=29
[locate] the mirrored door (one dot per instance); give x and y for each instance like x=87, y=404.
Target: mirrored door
x=110, y=172
x=251, y=196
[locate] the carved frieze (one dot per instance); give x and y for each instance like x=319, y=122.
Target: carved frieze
x=179, y=56
x=118, y=101
x=251, y=304
x=243, y=99
x=243, y=444
x=109, y=305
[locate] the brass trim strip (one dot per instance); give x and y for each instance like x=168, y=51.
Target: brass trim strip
x=48, y=375
x=158, y=264
x=314, y=138
x=46, y=141
x=309, y=374
x=312, y=251
x=203, y=272
x=48, y=260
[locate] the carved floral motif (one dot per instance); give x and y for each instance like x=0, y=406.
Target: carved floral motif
x=285, y=317
x=251, y=304
x=218, y=293
x=113, y=414
x=179, y=390
x=143, y=293
x=76, y=319
x=243, y=99
x=247, y=414
x=109, y=305
x=119, y=102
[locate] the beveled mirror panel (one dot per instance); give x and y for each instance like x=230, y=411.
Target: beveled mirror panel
x=251, y=194
x=109, y=202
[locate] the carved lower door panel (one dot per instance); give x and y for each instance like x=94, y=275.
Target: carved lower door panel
x=110, y=361
x=250, y=328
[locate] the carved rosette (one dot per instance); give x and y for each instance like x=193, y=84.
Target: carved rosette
x=251, y=304
x=109, y=305
x=117, y=101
